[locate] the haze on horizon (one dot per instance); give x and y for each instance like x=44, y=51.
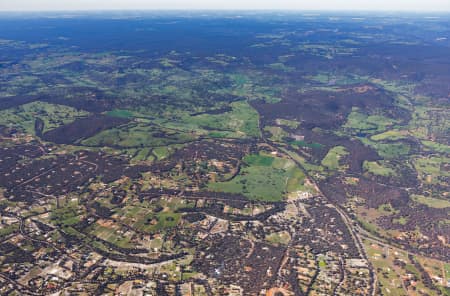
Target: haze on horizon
x=352, y=5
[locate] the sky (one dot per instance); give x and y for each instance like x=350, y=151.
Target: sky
x=367, y=5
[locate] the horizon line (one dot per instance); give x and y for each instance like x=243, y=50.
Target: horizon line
x=285, y=10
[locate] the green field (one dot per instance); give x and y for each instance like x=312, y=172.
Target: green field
x=66, y=216
x=24, y=116
x=264, y=178
x=430, y=123
x=161, y=152
x=438, y=147
x=141, y=155
x=259, y=160
x=388, y=150
x=111, y=235
x=145, y=218
x=447, y=269
x=324, y=77
x=281, y=67
x=306, y=144
x=152, y=223
x=390, y=135
x=287, y=122
x=242, y=121
x=331, y=160
x=359, y=122
x=378, y=168
x=431, y=202
x=431, y=169
x=120, y=113
x=277, y=238
x=138, y=135
x=277, y=133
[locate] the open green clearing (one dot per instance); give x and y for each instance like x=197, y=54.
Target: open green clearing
x=263, y=177
x=67, y=215
x=120, y=113
x=447, y=269
x=300, y=143
x=242, y=121
x=278, y=238
x=138, y=135
x=378, y=168
x=152, y=218
x=332, y=79
x=142, y=155
x=438, y=147
x=361, y=123
x=431, y=169
x=390, y=135
x=24, y=116
x=430, y=122
x=180, y=127
x=431, y=202
x=281, y=67
x=111, y=234
x=287, y=122
x=388, y=150
x=331, y=160
x=277, y=133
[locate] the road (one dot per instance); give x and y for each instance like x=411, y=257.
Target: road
x=347, y=220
